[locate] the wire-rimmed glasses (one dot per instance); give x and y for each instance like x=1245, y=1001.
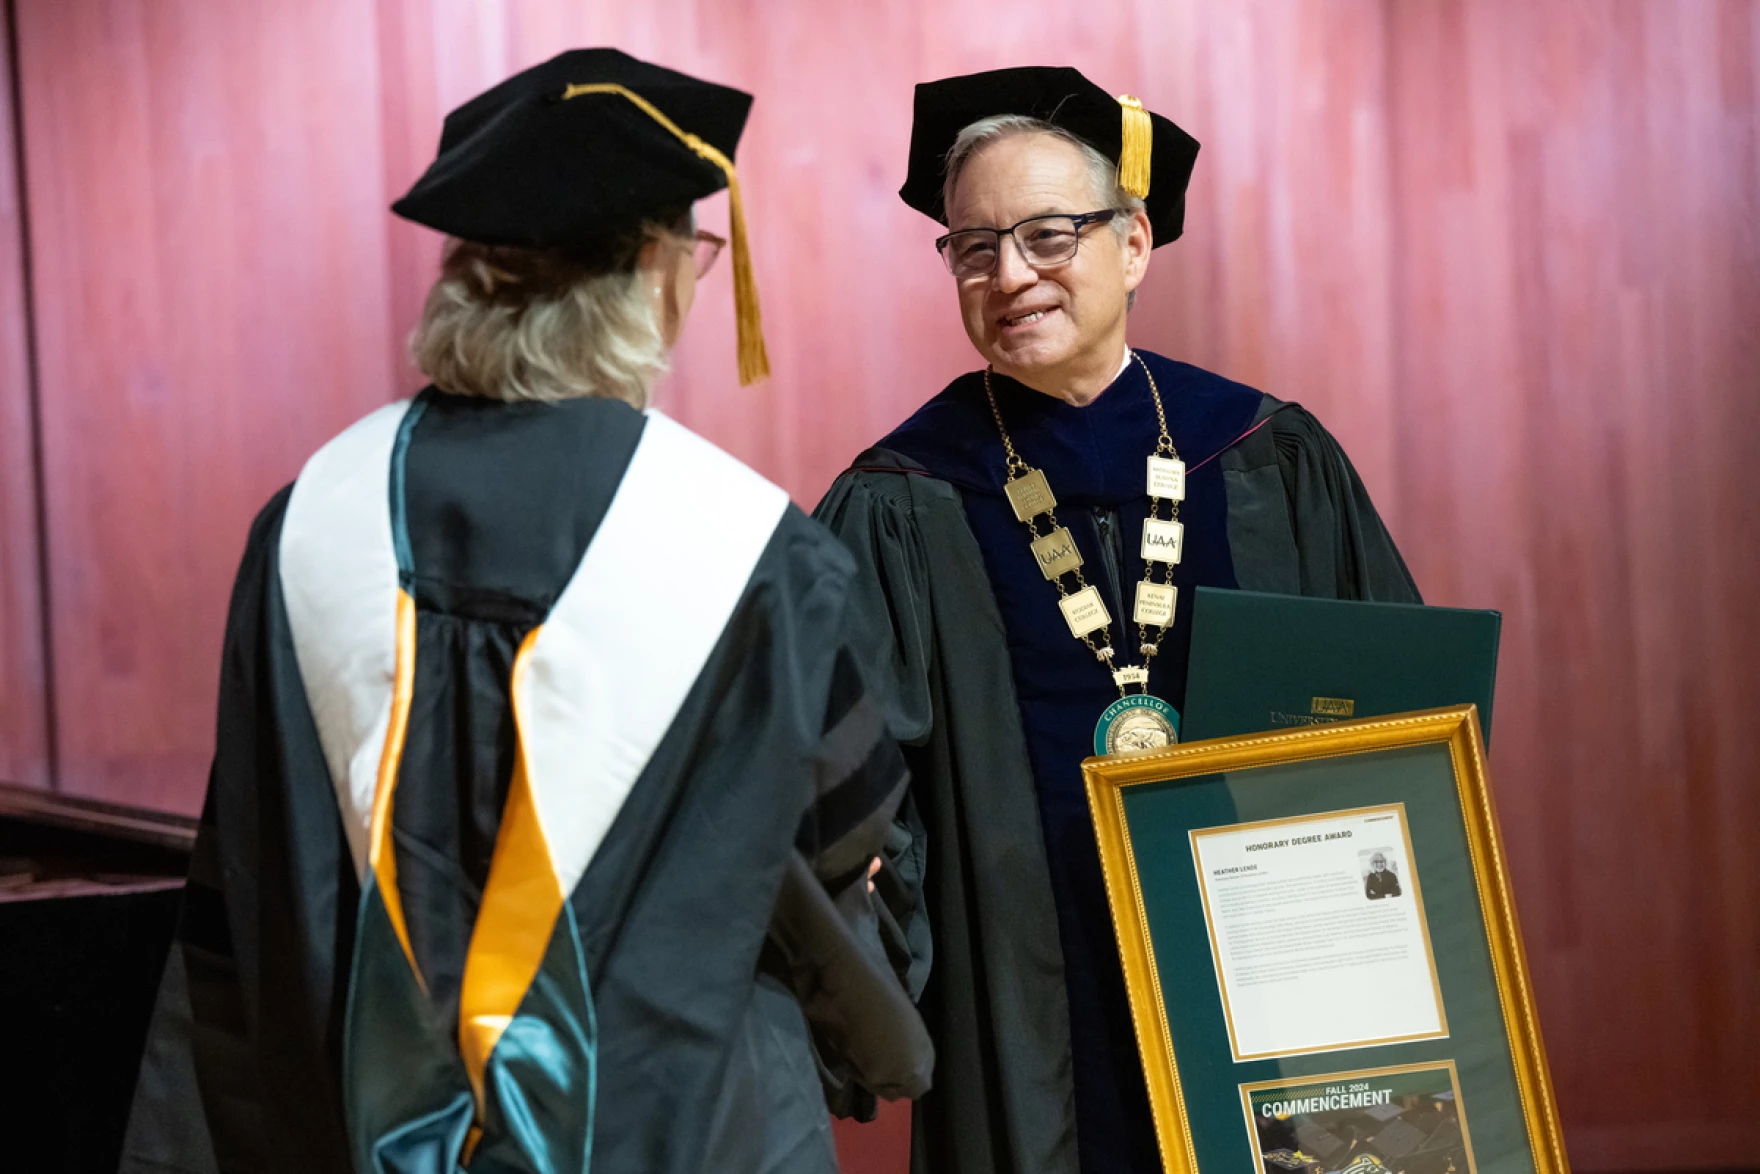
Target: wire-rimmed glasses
x=1044, y=242
x=708, y=247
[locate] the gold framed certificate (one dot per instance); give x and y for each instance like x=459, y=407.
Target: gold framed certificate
x=1321, y=952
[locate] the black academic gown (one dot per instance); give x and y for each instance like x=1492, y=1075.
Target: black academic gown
x=728, y=937
x=1016, y=962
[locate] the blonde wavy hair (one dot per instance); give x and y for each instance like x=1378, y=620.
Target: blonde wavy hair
x=518, y=324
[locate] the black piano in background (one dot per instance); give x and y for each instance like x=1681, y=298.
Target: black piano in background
x=89, y=895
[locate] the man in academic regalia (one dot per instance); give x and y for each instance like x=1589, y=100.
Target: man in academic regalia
x=1033, y=534
x=548, y=781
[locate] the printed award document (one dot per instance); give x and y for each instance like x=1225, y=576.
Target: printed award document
x=1318, y=934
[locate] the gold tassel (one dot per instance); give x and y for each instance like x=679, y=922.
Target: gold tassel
x=754, y=357
x=1136, y=149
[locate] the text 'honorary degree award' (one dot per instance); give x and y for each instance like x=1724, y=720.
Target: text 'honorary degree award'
x=1321, y=954
x=1294, y=925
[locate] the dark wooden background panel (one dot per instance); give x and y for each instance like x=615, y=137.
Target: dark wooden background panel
x=1508, y=251
x=24, y=726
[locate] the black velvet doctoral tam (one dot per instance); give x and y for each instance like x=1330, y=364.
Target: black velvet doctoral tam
x=1055, y=94
x=521, y=164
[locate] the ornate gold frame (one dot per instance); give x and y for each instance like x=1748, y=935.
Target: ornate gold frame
x=1106, y=780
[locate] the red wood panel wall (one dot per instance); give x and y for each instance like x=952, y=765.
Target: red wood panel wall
x=1577, y=333
x=1508, y=250
x=205, y=194
x=24, y=726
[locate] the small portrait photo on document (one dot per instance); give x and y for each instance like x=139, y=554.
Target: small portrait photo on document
x=1380, y=868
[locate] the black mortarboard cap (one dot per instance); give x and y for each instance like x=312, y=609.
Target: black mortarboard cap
x=582, y=148
x=1154, y=155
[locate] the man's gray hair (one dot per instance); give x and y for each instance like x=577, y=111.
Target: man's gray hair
x=1102, y=172
x=513, y=324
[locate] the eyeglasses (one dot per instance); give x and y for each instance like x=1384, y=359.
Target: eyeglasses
x=1044, y=242
x=708, y=248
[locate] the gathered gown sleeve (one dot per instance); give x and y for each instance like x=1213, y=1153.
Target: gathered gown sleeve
x=827, y=933
x=891, y=642
x=239, y=1071
x=1341, y=540
x=966, y=848
x=1300, y=519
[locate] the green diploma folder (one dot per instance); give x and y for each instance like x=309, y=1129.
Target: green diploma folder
x=1267, y=662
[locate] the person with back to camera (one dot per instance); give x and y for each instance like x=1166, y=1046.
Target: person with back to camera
x=549, y=782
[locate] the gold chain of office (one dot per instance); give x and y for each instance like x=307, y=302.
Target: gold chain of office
x=1053, y=549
